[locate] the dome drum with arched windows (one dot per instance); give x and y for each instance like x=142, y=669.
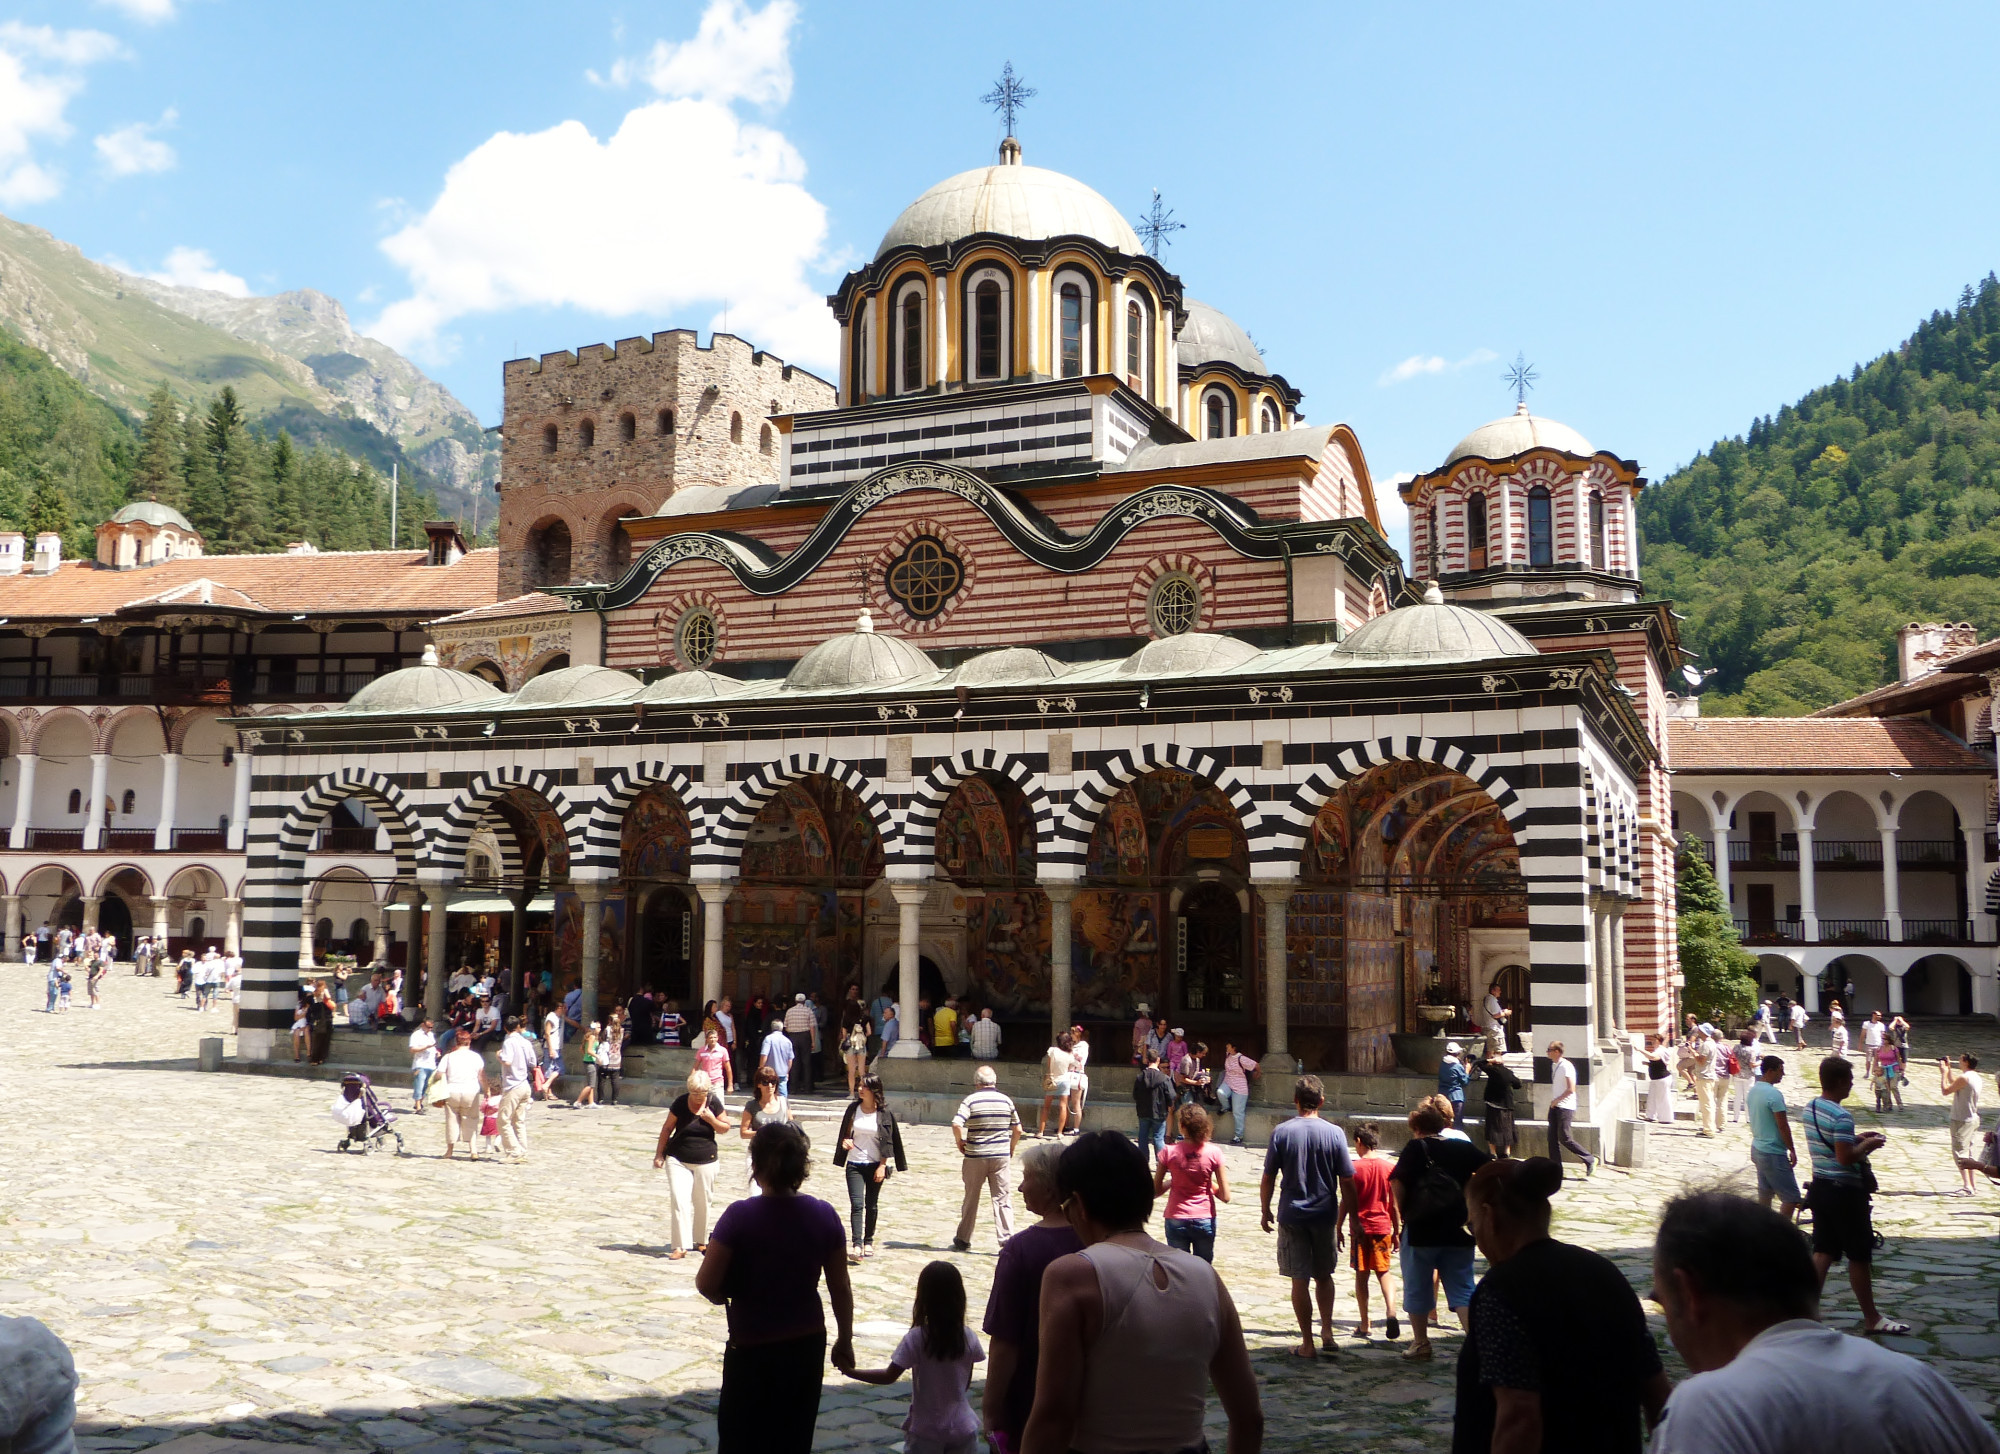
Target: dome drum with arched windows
x=1525, y=506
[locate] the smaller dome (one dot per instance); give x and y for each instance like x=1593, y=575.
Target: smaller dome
x=687, y=686
x=1432, y=631
x=858, y=658
x=422, y=688
x=152, y=512
x=1518, y=433
x=576, y=684
x=1212, y=336
x=1187, y=654
x=1007, y=665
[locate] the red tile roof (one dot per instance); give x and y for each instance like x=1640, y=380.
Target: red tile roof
x=1808, y=745
x=373, y=582
x=535, y=603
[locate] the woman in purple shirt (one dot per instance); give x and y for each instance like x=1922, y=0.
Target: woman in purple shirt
x=764, y=1261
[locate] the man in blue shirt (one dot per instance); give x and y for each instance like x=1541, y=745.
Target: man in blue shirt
x=1771, y=1148
x=1842, y=1222
x=1310, y=1156
x=1452, y=1076
x=777, y=1055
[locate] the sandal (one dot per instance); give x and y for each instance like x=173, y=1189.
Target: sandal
x=1417, y=1353
x=1304, y=1350
x=1891, y=1326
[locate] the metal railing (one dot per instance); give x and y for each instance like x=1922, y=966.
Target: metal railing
x=1837, y=853
x=1929, y=853
x=1937, y=931
x=344, y=840
x=200, y=840
x=57, y=840
x=126, y=840
x=1768, y=852
x=1853, y=931
x=341, y=684
x=1770, y=931
x=1847, y=853
x=165, y=687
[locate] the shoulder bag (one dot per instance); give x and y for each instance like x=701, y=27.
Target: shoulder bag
x=1433, y=1192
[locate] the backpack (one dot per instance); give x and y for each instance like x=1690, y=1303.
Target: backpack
x=1434, y=1191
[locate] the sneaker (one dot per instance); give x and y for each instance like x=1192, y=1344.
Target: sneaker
x=958, y=1246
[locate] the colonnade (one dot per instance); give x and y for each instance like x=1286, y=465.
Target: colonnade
x=29, y=764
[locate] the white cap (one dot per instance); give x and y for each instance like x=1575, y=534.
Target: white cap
x=798, y=999
x=1452, y=1047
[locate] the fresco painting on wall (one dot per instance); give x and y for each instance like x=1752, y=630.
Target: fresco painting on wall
x=569, y=937
x=1010, y=951
x=656, y=840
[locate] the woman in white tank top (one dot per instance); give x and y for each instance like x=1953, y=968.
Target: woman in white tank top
x=1133, y=1332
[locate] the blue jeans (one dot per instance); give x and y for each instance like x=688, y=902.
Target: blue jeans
x=1152, y=1133
x=420, y=1081
x=1232, y=1104
x=1453, y=1265
x=1192, y=1234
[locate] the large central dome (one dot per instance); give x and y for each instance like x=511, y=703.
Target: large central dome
x=1012, y=200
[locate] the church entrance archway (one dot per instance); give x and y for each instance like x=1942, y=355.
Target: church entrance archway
x=654, y=844
x=1511, y=985
x=1209, y=969
x=930, y=986
x=666, y=947
x=114, y=917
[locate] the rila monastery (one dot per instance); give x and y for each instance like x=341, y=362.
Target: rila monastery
x=1046, y=658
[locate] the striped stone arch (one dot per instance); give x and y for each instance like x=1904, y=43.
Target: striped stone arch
x=1288, y=820
x=934, y=790
x=603, y=833
x=469, y=808
x=722, y=846
x=1070, y=842
x=407, y=839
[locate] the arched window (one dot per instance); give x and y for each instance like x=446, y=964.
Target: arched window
x=1475, y=531
x=1541, y=536
x=1598, y=557
x=1268, y=419
x=549, y=439
x=764, y=439
x=1433, y=546
x=1219, y=409
x=1075, y=355
x=735, y=428
x=986, y=331
x=1135, y=345
x=910, y=338
x=628, y=428
x=665, y=420
x=586, y=435
x=129, y=803
x=76, y=800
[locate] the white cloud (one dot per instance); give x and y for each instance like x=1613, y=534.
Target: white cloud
x=1419, y=364
x=133, y=149
x=192, y=267
x=34, y=100
x=146, y=12
x=685, y=206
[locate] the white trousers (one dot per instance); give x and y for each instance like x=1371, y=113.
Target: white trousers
x=688, y=1191
x=1660, y=1099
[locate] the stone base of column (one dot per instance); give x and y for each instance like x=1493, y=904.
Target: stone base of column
x=909, y=1050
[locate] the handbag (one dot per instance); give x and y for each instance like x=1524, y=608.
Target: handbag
x=1434, y=1192
x=437, y=1092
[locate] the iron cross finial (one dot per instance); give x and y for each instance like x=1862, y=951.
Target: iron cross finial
x=1521, y=377
x=1158, y=226
x=1009, y=96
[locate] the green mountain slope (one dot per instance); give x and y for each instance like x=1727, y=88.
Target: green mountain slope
x=1798, y=548
x=293, y=361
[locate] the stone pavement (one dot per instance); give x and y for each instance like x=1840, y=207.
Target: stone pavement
x=223, y=1274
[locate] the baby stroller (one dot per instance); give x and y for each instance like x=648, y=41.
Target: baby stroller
x=370, y=1124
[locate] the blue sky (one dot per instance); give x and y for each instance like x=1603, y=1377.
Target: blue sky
x=1685, y=216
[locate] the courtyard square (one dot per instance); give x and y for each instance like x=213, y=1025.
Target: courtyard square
x=219, y=1270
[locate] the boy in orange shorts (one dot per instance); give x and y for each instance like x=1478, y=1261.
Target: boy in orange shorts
x=1376, y=1228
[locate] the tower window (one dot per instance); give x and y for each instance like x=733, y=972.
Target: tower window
x=76, y=800
x=628, y=428
x=1268, y=424
x=1433, y=546
x=764, y=439
x=986, y=327
x=1541, y=537
x=1598, y=557
x=549, y=439
x=1072, y=331
x=129, y=803
x=913, y=340
x=1475, y=532
x=666, y=421
x=586, y=435
x=1219, y=409
x=735, y=428
x=1135, y=344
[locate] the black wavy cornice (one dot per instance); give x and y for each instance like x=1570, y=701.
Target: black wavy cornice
x=762, y=571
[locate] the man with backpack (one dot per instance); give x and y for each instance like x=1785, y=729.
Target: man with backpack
x=1429, y=1186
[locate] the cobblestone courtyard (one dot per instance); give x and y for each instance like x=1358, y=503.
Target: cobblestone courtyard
x=220, y=1271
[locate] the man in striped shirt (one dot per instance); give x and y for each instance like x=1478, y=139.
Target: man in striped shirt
x=987, y=1129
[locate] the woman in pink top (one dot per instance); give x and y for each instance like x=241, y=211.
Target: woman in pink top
x=1237, y=1068
x=1191, y=1174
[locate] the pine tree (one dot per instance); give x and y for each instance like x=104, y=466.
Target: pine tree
x=47, y=509
x=287, y=521
x=1721, y=975
x=161, y=470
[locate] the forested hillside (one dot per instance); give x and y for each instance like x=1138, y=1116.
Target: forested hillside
x=1797, y=549
x=68, y=460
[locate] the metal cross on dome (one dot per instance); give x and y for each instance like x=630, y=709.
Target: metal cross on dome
x=1158, y=226
x=1521, y=377
x=1009, y=96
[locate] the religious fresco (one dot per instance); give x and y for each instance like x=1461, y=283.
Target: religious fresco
x=813, y=829
x=568, y=924
x=786, y=941
x=976, y=843
x=655, y=841
x=535, y=826
x=1009, y=952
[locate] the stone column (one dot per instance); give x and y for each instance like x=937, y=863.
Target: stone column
x=380, y=952
x=1618, y=967
x=434, y=946
x=591, y=896
x=1061, y=975
x=1277, y=899
x=1895, y=993
x=713, y=896
x=161, y=904
x=1892, y=904
x=1809, y=978
x=239, y=805
x=232, y=925
x=24, y=802
x=1808, y=889
x=170, y=800
x=910, y=908
x=91, y=902
x=517, y=934
x=306, y=956
x=93, y=803
x=12, y=941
